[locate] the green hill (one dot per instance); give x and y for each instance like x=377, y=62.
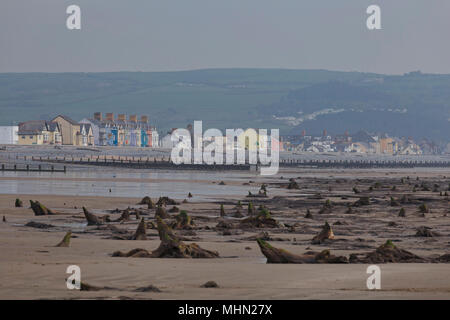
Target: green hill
x=415, y=104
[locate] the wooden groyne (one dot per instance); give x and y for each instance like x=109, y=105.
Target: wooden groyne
x=166, y=163
x=143, y=163
x=28, y=168
x=364, y=163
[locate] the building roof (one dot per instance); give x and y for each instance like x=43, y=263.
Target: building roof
x=362, y=136
x=37, y=126
x=66, y=118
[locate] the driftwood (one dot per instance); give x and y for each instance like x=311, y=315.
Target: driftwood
x=140, y=233
x=39, y=209
x=94, y=220
x=276, y=255
x=171, y=247
x=65, y=242
x=325, y=234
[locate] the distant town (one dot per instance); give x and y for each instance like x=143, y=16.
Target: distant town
x=131, y=130
x=362, y=142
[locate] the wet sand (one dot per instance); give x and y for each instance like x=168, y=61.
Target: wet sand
x=32, y=267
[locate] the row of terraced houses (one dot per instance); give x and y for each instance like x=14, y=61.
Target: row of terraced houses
x=96, y=131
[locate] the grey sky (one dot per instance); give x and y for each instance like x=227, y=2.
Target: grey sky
x=162, y=35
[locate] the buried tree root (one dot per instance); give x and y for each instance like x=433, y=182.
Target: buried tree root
x=170, y=247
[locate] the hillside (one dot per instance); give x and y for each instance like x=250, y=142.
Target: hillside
x=415, y=104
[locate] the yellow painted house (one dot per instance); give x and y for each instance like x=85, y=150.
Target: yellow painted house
x=39, y=132
x=74, y=133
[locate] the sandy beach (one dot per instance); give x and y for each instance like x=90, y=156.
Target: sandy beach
x=33, y=268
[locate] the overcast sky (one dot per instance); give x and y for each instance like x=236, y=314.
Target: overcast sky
x=166, y=35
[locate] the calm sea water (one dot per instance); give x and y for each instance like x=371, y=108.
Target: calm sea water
x=187, y=181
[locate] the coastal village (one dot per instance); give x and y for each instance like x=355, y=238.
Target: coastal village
x=131, y=130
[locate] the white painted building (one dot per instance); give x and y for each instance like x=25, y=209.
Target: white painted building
x=155, y=139
x=9, y=134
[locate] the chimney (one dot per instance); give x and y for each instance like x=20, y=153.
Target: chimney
x=144, y=119
x=133, y=118
x=303, y=133
x=324, y=132
x=98, y=116
x=121, y=117
x=110, y=116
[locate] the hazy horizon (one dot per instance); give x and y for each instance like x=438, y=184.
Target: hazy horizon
x=156, y=36
x=230, y=68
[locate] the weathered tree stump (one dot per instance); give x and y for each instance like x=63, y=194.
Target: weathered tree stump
x=325, y=234
x=140, y=233
x=183, y=221
x=65, y=242
x=94, y=220
x=39, y=209
x=161, y=212
x=18, y=203
x=170, y=247
x=276, y=255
